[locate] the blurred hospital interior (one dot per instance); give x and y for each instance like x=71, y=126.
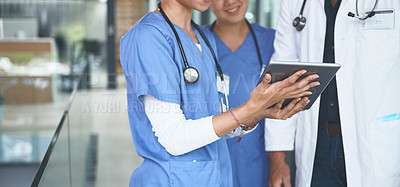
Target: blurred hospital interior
x=63, y=109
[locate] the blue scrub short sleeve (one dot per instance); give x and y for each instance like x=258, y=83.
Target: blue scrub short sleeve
x=147, y=57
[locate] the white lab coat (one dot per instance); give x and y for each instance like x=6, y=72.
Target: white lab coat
x=368, y=88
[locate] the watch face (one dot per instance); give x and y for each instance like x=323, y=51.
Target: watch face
x=190, y=75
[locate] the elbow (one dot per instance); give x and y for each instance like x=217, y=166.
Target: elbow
x=171, y=146
x=173, y=151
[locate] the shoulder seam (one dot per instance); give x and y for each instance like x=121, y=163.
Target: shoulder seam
x=168, y=38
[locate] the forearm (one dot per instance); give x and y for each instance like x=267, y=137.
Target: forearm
x=225, y=122
x=277, y=156
x=179, y=135
x=279, y=174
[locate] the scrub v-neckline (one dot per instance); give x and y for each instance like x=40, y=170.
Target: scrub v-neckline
x=239, y=48
x=192, y=43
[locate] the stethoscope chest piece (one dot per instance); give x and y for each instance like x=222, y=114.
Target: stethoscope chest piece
x=190, y=75
x=299, y=22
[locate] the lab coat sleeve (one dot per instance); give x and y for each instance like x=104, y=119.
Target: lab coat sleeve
x=147, y=57
x=280, y=134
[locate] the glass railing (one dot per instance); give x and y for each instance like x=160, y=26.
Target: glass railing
x=31, y=107
x=92, y=145
x=54, y=170
x=68, y=145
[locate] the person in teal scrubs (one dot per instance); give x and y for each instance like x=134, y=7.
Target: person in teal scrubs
x=242, y=50
x=174, y=113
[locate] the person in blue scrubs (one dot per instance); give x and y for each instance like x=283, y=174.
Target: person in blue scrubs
x=242, y=62
x=153, y=66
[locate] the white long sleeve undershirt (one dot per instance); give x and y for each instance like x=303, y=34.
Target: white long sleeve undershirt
x=175, y=133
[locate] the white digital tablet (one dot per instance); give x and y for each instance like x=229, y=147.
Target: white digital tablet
x=282, y=70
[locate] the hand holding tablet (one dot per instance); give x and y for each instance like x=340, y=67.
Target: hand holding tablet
x=280, y=71
x=288, y=88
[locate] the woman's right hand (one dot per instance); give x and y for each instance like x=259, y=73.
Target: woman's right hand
x=265, y=94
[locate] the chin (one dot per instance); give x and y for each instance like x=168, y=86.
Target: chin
x=233, y=19
x=201, y=7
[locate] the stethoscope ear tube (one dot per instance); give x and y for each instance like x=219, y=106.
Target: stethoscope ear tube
x=190, y=74
x=219, y=69
x=255, y=42
x=371, y=14
x=258, y=55
x=300, y=21
x=254, y=38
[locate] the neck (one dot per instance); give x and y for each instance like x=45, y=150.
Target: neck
x=178, y=13
x=232, y=34
x=232, y=29
x=333, y=2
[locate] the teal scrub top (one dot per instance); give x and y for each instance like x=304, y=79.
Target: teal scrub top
x=153, y=65
x=250, y=161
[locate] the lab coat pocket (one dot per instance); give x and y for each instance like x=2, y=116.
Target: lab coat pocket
x=195, y=173
x=378, y=48
x=385, y=141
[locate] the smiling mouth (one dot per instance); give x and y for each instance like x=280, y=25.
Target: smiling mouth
x=232, y=10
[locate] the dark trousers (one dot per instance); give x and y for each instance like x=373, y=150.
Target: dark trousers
x=329, y=163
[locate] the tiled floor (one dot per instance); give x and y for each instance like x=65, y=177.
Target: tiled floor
x=117, y=157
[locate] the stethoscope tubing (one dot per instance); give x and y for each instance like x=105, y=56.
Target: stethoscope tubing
x=254, y=38
x=257, y=48
x=185, y=61
x=357, y=14
x=176, y=35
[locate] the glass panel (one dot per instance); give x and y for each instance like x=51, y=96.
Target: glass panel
x=102, y=151
x=57, y=170
x=44, y=46
x=251, y=13
x=23, y=147
x=80, y=132
x=26, y=128
x=269, y=13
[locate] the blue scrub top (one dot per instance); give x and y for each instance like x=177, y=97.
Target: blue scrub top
x=250, y=161
x=153, y=65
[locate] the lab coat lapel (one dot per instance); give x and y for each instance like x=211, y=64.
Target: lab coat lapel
x=322, y=3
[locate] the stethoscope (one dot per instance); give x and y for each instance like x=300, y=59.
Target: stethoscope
x=370, y=14
x=254, y=38
x=190, y=74
x=300, y=21
x=255, y=42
